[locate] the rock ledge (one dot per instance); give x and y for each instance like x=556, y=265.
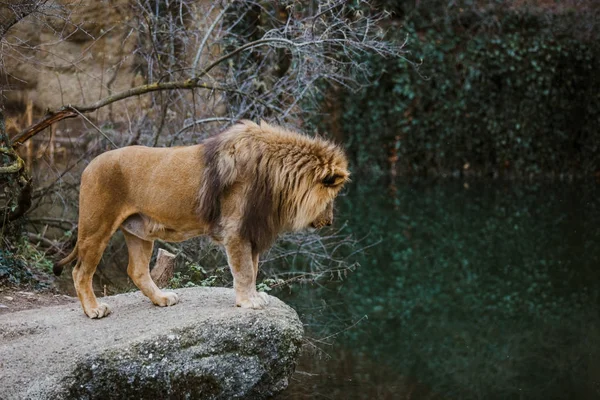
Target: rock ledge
x=201, y=348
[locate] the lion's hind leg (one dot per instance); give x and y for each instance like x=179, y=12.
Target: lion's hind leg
x=140, y=251
x=83, y=273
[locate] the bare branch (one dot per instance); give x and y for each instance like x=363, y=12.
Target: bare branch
x=12, y=11
x=71, y=111
x=201, y=121
x=206, y=36
x=323, y=46
x=34, y=237
x=51, y=118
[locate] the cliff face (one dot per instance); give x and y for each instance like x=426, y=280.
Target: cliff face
x=201, y=348
x=76, y=56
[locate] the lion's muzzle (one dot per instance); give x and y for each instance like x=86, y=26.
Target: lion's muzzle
x=325, y=218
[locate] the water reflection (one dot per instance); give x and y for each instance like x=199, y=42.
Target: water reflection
x=479, y=291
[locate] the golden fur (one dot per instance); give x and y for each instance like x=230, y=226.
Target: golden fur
x=242, y=188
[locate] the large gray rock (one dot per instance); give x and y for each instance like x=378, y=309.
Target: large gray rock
x=201, y=348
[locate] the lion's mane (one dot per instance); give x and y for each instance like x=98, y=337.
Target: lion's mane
x=281, y=170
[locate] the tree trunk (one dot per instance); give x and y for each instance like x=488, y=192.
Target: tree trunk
x=16, y=184
x=163, y=269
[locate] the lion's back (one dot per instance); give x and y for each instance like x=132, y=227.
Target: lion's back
x=145, y=172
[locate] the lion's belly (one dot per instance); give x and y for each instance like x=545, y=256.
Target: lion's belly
x=146, y=228
x=170, y=235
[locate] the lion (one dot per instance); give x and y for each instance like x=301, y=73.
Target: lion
x=242, y=188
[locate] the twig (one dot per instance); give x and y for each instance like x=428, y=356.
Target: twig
x=323, y=340
x=48, y=220
x=206, y=36
x=98, y=129
x=35, y=237
x=201, y=121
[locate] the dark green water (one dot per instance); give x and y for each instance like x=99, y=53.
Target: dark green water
x=478, y=291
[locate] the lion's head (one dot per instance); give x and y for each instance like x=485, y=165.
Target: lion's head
x=314, y=200
x=288, y=180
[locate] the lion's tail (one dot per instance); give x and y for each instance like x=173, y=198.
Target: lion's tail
x=58, y=266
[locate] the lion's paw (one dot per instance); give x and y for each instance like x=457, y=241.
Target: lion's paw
x=99, y=312
x=257, y=301
x=167, y=299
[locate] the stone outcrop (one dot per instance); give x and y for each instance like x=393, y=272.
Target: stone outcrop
x=201, y=348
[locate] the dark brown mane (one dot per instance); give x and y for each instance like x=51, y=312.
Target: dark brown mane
x=212, y=188
x=262, y=216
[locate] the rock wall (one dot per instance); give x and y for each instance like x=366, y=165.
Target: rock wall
x=77, y=58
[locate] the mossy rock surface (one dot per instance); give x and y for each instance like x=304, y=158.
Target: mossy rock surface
x=201, y=348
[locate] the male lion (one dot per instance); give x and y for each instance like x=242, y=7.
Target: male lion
x=242, y=188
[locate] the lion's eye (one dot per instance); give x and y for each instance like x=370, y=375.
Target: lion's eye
x=330, y=180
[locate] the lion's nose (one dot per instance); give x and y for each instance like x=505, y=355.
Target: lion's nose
x=329, y=222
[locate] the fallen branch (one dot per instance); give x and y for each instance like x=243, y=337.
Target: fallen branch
x=34, y=237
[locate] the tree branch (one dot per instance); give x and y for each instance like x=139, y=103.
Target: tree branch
x=315, y=46
x=34, y=237
x=12, y=168
x=201, y=121
x=51, y=117
x=206, y=36
x=70, y=111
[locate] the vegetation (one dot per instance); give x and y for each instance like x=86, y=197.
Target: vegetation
x=24, y=266
x=191, y=70
x=478, y=291
x=501, y=90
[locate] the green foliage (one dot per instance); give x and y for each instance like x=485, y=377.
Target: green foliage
x=13, y=270
x=31, y=256
x=498, y=92
x=267, y=284
x=24, y=265
x=193, y=274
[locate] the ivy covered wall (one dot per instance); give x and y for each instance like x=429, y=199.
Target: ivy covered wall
x=501, y=91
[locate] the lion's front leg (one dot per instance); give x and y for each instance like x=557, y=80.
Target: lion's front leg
x=242, y=265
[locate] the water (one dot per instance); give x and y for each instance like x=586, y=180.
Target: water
x=476, y=291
